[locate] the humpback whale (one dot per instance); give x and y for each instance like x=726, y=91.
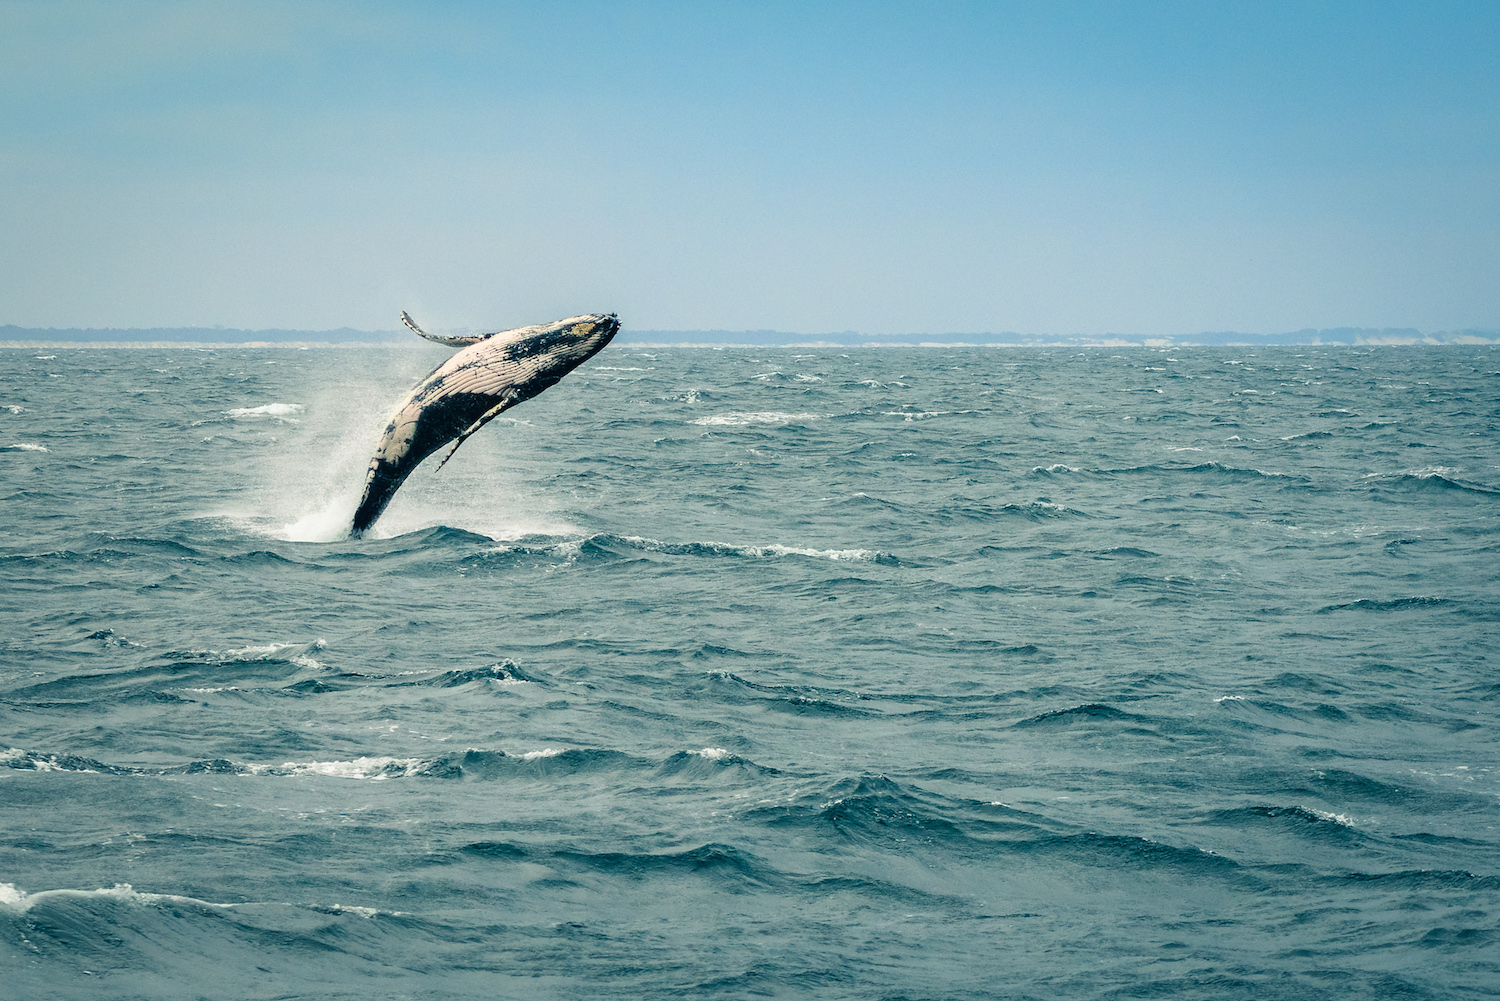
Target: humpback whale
x=491, y=374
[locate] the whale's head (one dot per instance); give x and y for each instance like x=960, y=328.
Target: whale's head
x=557, y=348
x=587, y=334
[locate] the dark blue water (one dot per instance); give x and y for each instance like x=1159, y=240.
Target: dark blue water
x=719, y=674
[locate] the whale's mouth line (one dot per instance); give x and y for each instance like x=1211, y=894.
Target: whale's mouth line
x=489, y=374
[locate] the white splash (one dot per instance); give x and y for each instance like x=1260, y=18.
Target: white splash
x=327, y=524
x=712, y=754
x=22, y=446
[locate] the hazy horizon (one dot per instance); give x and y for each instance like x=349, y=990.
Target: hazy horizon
x=13, y=335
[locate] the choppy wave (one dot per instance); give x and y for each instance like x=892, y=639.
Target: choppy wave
x=1437, y=480
x=1216, y=470
x=1391, y=605
x=1086, y=714
x=471, y=763
x=934, y=653
x=20, y=900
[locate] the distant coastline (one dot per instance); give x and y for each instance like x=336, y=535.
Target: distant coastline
x=15, y=336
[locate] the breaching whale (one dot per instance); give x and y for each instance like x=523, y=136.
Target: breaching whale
x=491, y=374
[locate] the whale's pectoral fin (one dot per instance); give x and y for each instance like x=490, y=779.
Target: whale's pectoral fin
x=506, y=401
x=452, y=342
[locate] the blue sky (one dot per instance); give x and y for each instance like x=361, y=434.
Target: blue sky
x=1141, y=168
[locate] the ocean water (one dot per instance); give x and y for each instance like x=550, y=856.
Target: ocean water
x=898, y=673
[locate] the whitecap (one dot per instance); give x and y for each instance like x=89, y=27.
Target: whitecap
x=712, y=753
x=826, y=554
x=19, y=758
x=268, y=410
x=22, y=446
x=292, y=653
x=273, y=651
x=373, y=768
x=742, y=418
x=546, y=752
x=914, y=415
x=1343, y=819
x=12, y=896
x=15, y=408
x=775, y=549
x=18, y=899
x=1428, y=472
